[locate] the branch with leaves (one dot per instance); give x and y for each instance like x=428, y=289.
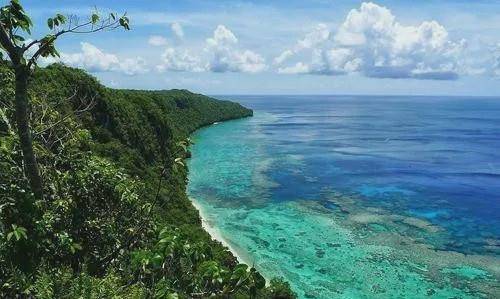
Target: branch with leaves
x=15, y=27
x=13, y=19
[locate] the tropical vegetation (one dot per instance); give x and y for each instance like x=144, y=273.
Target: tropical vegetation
x=93, y=197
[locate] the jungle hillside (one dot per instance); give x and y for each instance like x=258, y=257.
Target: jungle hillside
x=114, y=220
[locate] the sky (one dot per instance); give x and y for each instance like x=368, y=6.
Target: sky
x=289, y=47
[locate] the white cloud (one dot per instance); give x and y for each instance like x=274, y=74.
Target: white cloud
x=372, y=42
x=225, y=56
x=91, y=58
x=132, y=67
x=496, y=61
x=177, y=30
x=157, y=40
x=317, y=36
x=298, y=68
x=221, y=54
x=283, y=56
x=222, y=37
x=95, y=60
x=179, y=61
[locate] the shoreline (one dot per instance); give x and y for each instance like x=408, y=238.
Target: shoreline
x=215, y=233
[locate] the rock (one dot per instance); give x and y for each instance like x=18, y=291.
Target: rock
x=320, y=252
x=377, y=289
x=322, y=271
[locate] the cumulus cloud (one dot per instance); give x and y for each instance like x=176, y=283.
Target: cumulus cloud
x=133, y=66
x=317, y=36
x=225, y=56
x=177, y=30
x=91, y=58
x=221, y=54
x=222, y=36
x=95, y=60
x=179, y=61
x=297, y=68
x=370, y=41
x=283, y=56
x=157, y=40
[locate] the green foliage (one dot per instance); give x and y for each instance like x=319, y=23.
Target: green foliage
x=278, y=289
x=115, y=221
x=15, y=22
x=124, y=22
x=65, y=283
x=6, y=93
x=18, y=232
x=181, y=267
x=14, y=17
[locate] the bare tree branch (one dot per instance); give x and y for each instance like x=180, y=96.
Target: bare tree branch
x=83, y=107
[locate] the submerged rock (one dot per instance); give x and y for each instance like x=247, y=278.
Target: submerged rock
x=320, y=252
x=323, y=271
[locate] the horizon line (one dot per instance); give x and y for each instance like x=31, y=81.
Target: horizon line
x=356, y=95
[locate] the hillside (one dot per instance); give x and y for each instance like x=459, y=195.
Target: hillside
x=115, y=219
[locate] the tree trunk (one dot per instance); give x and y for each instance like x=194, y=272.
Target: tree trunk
x=23, y=129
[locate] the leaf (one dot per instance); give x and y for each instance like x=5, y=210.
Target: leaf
x=260, y=281
x=54, y=52
x=50, y=23
x=61, y=18
x=179, y=161
x=75, y=247
x=95, y=18
x=16, y=6
x=124, y=23
x=157, y=259
x=19, y=38
x=17, y=231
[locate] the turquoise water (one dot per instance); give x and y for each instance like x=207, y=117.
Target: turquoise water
x=358, y=197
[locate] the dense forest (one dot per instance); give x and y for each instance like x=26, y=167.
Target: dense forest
x=115, y=220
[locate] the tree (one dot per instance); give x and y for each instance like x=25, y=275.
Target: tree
x=15, y=25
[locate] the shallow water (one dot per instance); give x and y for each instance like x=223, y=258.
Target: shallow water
x=359, y=197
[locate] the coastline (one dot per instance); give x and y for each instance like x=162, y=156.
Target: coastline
x=215, y=233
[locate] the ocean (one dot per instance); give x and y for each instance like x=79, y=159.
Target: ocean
x=358, y=196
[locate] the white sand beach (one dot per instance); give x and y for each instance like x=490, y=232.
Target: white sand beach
x=216, y=234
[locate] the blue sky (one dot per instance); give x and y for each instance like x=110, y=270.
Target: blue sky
x=290, y=47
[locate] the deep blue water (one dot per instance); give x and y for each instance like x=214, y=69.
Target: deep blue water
x=436, y=158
